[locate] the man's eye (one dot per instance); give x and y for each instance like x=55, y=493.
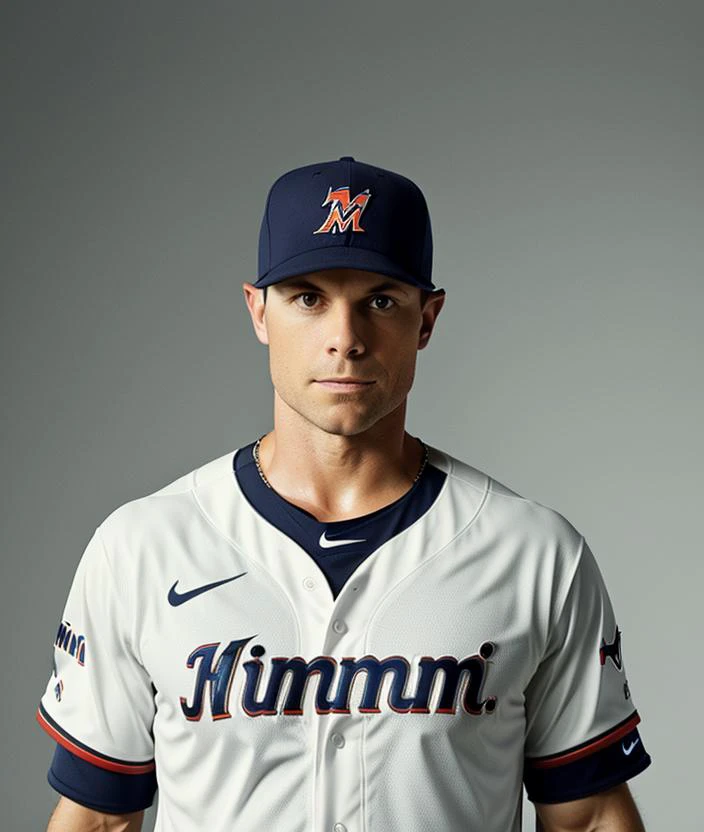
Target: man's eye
x=309, y=296
x=310, y=299
x=383, y=298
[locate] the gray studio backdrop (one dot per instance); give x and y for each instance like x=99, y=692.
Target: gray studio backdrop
x=560, y=149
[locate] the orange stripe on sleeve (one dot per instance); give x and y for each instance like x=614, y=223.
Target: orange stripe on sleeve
x=92, y=757
x=588, y=748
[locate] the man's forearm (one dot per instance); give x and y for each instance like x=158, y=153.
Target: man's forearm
x=610, y=811
x=69, y=816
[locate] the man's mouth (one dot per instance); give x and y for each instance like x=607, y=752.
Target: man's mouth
x=345, y=384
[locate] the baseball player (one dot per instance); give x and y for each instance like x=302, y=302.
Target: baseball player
x=339, y=627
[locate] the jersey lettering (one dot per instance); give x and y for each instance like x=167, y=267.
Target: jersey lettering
x=261, y=698
x=73, y=644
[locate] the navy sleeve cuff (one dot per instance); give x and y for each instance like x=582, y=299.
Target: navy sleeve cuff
x=97, y=788
x=585, y=775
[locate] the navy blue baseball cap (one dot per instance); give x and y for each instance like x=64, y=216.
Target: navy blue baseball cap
x=345, y=214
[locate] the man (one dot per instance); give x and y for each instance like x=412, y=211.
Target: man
x=339, y=627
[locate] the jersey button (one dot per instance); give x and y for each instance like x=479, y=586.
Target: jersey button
x=309, y=583
x=339, y=827
x=337, y=740
x=339, y=626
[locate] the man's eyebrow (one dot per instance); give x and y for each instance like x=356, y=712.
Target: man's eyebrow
x=387, y=285
x=297, y=284
x=291, y=284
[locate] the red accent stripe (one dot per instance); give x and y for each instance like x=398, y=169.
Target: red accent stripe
x=120, y=768
x=586, y=750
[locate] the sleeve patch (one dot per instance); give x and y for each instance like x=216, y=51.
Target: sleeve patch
x=72, y=643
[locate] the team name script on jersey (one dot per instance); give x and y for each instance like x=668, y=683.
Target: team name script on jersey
x=217, y=676
x=73, y=643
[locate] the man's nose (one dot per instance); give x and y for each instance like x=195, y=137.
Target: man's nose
x=344, y=330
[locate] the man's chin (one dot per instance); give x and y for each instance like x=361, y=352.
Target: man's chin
x=345, y=426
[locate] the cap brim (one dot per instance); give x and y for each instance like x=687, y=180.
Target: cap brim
x=339, y=257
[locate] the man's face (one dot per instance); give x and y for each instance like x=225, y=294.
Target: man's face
x=342, y=324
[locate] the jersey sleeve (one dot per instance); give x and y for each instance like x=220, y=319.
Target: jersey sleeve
x=98, y=788
x=581, y=734
x=99, y=700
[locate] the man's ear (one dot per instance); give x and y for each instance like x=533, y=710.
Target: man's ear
x=430, y=312
x=256, y=307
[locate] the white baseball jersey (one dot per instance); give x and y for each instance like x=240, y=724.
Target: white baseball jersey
x=471, y=654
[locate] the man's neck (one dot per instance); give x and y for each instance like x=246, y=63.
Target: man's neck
x=337, y=477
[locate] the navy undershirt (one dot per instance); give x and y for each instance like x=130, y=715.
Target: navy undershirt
x=370, y=530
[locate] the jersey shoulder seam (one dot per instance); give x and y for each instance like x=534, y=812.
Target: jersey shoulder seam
x=180, y=487
x=196, y=477
x=454, y=471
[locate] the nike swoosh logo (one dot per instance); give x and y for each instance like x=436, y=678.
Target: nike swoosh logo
x=630, y=748
x=324, y=543
x=178, y=598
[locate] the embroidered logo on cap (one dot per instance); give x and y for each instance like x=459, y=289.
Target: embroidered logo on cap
x=343, y=210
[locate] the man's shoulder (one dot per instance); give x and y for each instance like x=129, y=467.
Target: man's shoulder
x=213, y=469
x=502, y=506
x=170, y=504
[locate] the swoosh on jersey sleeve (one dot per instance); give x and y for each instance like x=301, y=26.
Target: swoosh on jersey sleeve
x=579, y=709
x=592, y=767
x=99, y=700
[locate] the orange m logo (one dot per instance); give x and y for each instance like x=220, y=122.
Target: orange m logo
x=343, y=211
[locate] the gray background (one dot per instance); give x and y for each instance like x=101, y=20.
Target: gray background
x=559, y=147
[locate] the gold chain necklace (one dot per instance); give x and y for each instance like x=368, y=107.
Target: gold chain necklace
x=268, y=484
